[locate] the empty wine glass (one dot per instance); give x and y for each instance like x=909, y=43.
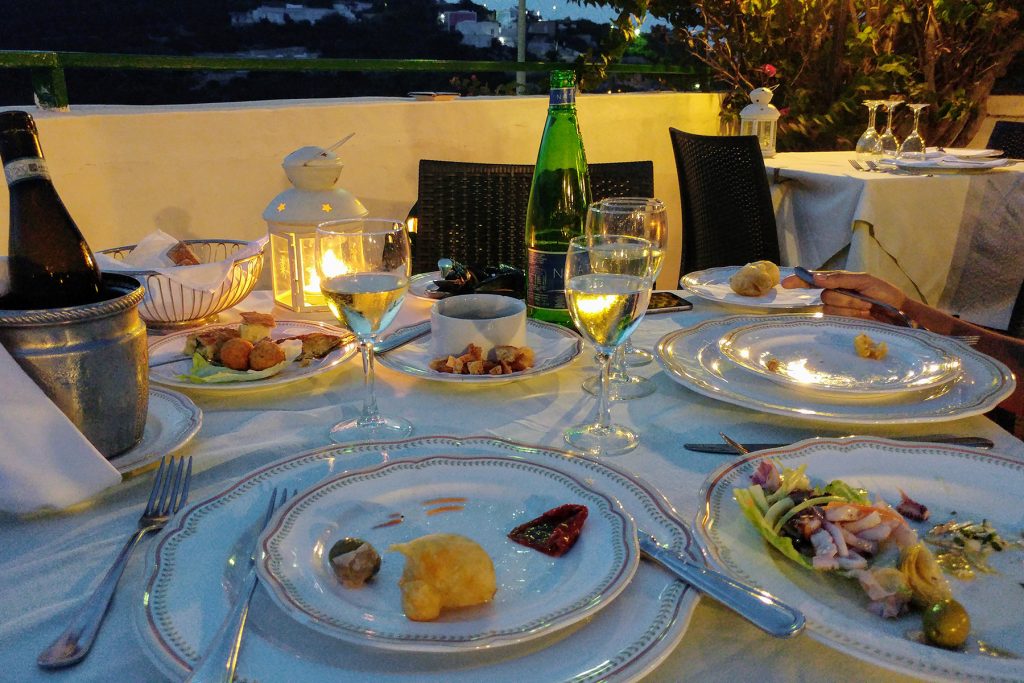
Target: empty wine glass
x=867, y=143
x=914, y=146
x=646, y=218
x=607, y=287
x=364, y=267
x=888, y=143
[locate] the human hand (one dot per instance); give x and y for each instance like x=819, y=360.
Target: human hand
x=836, y=303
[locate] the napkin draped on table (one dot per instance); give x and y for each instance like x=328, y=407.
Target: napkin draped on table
x=45, y=462
x=150, y=254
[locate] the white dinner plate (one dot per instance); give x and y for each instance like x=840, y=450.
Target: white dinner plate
x=419, y=283
x=691, y=357
x=713, y=284
x=553, y=346
x=174, y=344
x=950, y=481
x=482, y=498
x=948, y=164
x=962, y=152
x=818, y=354
x=171, y=421
x=194, y=573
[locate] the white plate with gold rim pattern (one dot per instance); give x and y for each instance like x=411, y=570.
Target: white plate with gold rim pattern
x=483, y=499
x=194, y=573
x=692, y=358
x=173, y=345
x=950, y=481
x=818, y=354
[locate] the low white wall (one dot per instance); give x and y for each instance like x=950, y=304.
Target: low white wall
x=204, y=171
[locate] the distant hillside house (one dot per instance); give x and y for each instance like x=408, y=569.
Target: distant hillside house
x=478, y=33
x=280, y=13
x=451, y=20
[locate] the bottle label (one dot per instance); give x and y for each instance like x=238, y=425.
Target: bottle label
x=545, y=280
x=23, y=169
x=562, y=96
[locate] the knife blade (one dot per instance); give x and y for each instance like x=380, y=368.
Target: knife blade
x=401, y=337
x=753, y=604
x=725, y=449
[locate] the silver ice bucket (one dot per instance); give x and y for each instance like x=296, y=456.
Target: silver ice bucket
x=92, y=361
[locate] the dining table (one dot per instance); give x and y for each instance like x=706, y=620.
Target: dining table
x=50, y=561
x=950, y=239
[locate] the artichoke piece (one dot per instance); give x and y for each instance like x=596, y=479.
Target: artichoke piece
x=354, y=561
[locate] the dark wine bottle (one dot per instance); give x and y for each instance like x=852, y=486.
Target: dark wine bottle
x=50, y=264
x=557, y=209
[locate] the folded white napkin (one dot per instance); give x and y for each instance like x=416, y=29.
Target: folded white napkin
x=45, y=462
x=150, y=254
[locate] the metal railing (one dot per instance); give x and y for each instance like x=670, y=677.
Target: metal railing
x=51, y=92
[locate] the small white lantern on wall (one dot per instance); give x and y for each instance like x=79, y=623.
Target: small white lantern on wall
x=292, y=217
x=761, y=118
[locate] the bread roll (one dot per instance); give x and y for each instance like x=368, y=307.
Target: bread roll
x=755, y=279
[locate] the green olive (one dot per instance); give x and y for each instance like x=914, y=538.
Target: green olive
x=946, y=624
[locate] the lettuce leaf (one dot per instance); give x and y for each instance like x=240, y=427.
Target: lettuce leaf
x=781, y=543
x=205, y=372
x=848, y=493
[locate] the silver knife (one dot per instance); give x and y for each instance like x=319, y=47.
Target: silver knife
x=753, y=604
x=725, y=449
x=401, y=337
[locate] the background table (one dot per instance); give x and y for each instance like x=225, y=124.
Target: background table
x=955, y=241
x=48, y=563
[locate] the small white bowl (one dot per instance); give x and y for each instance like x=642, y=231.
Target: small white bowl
x=487, y=320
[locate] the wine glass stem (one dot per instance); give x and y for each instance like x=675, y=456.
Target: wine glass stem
x=604, y=412
x=888, y=121
x=917, y=119
x=370, y=413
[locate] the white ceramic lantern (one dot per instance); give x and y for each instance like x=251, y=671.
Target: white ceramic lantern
x=292, y=217
x=761, y=118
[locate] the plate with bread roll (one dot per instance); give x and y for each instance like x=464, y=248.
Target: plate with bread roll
x=256, y=353
x=754, y=285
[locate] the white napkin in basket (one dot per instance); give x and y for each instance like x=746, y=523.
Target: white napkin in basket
x=150, y=254
x=45, y=462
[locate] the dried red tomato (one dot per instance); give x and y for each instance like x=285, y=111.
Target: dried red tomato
x=554, y=532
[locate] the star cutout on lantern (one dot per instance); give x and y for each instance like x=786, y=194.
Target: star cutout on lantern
x=326, y=208
x=281, y=207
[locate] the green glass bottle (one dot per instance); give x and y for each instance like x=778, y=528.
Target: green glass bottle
x=559, y=196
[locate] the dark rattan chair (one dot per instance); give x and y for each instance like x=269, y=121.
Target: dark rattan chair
x=1009, y=137
x=728, y=218
x=476, y=213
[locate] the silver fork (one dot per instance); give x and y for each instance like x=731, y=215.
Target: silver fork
x=169, y=492
x=220, y=660
x=969, y=339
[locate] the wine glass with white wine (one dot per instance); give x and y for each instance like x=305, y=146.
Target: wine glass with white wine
x=608, y=281
x=364, y=266
x=643, y=217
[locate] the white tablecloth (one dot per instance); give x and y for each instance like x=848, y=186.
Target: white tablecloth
x=954, y=241
x=48, y=563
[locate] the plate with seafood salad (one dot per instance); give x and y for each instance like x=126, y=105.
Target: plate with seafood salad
x=909, y=556
x=448, y=553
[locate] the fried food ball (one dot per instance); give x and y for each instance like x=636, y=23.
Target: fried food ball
x=265, y=354
x=234, y=353
x=444, y=571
